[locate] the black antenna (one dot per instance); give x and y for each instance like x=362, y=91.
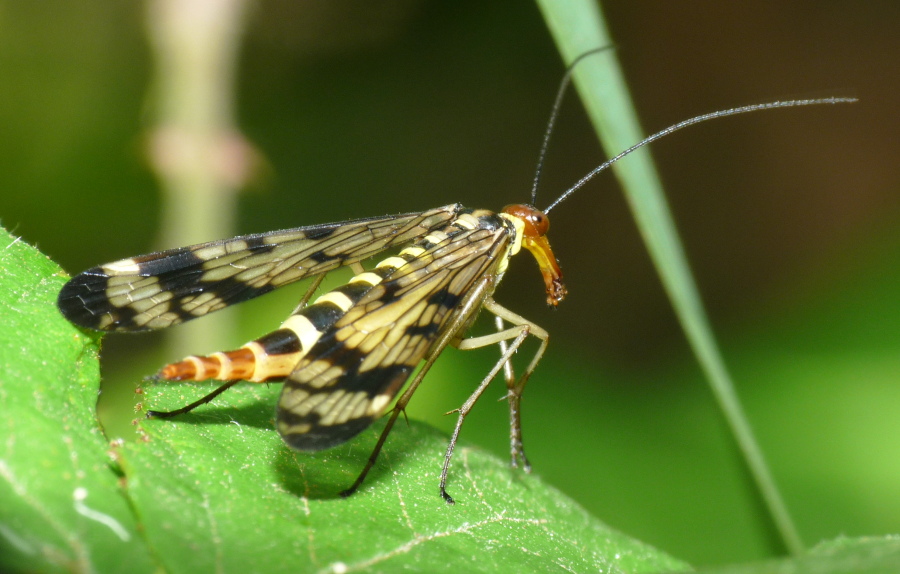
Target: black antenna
x=696, y=120
x=554, y=113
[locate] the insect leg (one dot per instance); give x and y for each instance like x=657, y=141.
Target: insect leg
x=516, y=386
x=399, y=407
x=267, y=359
x=309, y=293
x=461, y=320
x=188, y=408
x=508, y=372
x=357, y=269
x=518, y=334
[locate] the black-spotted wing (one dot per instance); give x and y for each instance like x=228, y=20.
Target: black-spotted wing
x=168, y=287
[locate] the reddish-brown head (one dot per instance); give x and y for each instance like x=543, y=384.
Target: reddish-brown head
x=535, y=226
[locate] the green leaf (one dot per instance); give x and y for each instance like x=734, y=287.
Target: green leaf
x=60, y=503
x=217, y=490
x=841, y=556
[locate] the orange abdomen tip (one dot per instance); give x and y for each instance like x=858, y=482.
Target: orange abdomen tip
x=230, y=366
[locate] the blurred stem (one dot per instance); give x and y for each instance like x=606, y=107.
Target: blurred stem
x=577, y=26
x=198, y=156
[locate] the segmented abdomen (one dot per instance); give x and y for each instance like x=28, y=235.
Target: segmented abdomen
x=275, y=355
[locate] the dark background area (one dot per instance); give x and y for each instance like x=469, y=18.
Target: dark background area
x=790, y=221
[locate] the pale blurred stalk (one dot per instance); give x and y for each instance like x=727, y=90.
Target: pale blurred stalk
x=194, y=148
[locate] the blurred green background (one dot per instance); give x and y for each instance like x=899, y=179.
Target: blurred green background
x=791, y=221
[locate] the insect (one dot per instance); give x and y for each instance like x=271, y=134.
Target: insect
x=345, y=356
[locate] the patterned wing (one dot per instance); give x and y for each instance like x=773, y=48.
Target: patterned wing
x=352, y=373
x=169, y=287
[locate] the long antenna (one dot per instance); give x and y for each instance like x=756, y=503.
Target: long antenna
x=683, y=124
x=554, y=113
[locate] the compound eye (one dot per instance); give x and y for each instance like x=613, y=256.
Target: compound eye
x=536, y=222
x=540, y=222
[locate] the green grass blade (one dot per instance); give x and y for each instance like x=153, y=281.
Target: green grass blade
x=577, y=27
